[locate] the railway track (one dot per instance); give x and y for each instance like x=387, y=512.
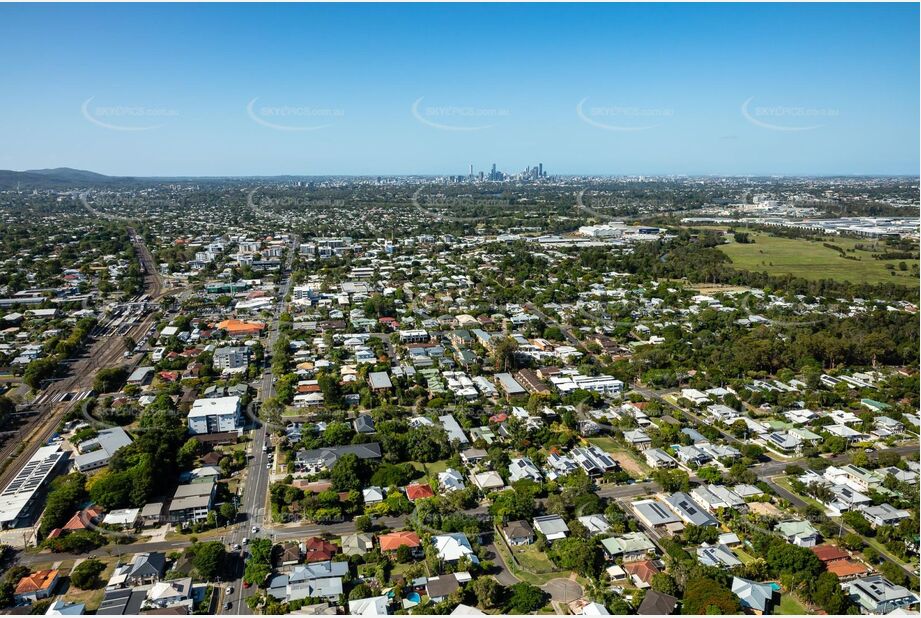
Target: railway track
x=106, y=352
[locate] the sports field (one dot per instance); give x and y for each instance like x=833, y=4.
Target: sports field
x=810, y=259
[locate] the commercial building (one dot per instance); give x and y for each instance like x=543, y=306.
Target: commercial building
x=97, y=452
x=215, y=415
x=19, y=498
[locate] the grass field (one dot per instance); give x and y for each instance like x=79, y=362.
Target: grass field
x=789, y=606
x=744, y=556
x=431, y=470
x=810, y=259
x=533, y=560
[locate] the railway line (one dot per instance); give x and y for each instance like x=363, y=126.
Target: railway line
x=54, y=403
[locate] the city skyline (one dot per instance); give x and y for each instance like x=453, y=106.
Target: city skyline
x=612, y=90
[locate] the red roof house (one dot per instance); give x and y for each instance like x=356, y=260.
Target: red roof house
x=418, y=491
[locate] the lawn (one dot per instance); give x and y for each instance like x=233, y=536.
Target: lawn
x=533, y=560
x=789, y=606
x=91, y=598
x=523, y=575
x=745, y=557
x=810, y=259
x=431, y=469
x=785, y=483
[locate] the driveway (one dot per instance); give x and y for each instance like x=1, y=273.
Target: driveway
x=502, y=575
x=563, y=590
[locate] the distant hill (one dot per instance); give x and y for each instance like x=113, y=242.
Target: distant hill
x=57, y=178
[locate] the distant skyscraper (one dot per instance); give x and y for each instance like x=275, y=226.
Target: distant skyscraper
x=540, y=170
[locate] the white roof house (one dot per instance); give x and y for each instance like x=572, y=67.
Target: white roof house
x=488, y=480
x=523, y=468
x=450, y=480
x=454, y=546
x=371, y=606
x=551, y=526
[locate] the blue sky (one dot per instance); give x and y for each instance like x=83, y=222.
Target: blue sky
x=370, y=89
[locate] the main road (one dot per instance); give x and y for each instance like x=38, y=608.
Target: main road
x=255, y=488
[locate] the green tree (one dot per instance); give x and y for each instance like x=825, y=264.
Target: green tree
x=575, y=554
x=525, y=598
x=259, y=565
x=488, y=592
x=361, y=591
x=86, y=574
x=703, y=595
x=349, y=473
x=208, y=558
x=228, y=513
x=110, y=379
x=38, y=371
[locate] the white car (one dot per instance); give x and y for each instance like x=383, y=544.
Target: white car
x=255, y=529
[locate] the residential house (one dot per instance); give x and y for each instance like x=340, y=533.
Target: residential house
x=357, y=543
x=450, y=480
x=144, y=569
x=638, y=439
x=630, y=547
x=454, y=546
x=656, y=516
x=371, y=606
x=489, y=480
x=756, y=598
x=418, y=491
x=657, y=603
x=877, y=595
x=713, y=497
x=657, y=458
x=799, y=533
x=440, y=588
x=518, y=532
x=593, y=460
x=883, y=515
x=392, y=541
x=718, y=556
x=595, y=524
x=170, y=593
x=641, y=572
x=36, y=586
x=318, y=549
x=551, y=526
x=689, y=511
x=315, y=580
x=523, y=468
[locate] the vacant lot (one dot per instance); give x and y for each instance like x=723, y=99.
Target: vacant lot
x=810, y=259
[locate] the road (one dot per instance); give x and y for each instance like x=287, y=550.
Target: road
x=255, y=489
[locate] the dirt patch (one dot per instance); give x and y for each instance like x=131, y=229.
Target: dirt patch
x=630, y=465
